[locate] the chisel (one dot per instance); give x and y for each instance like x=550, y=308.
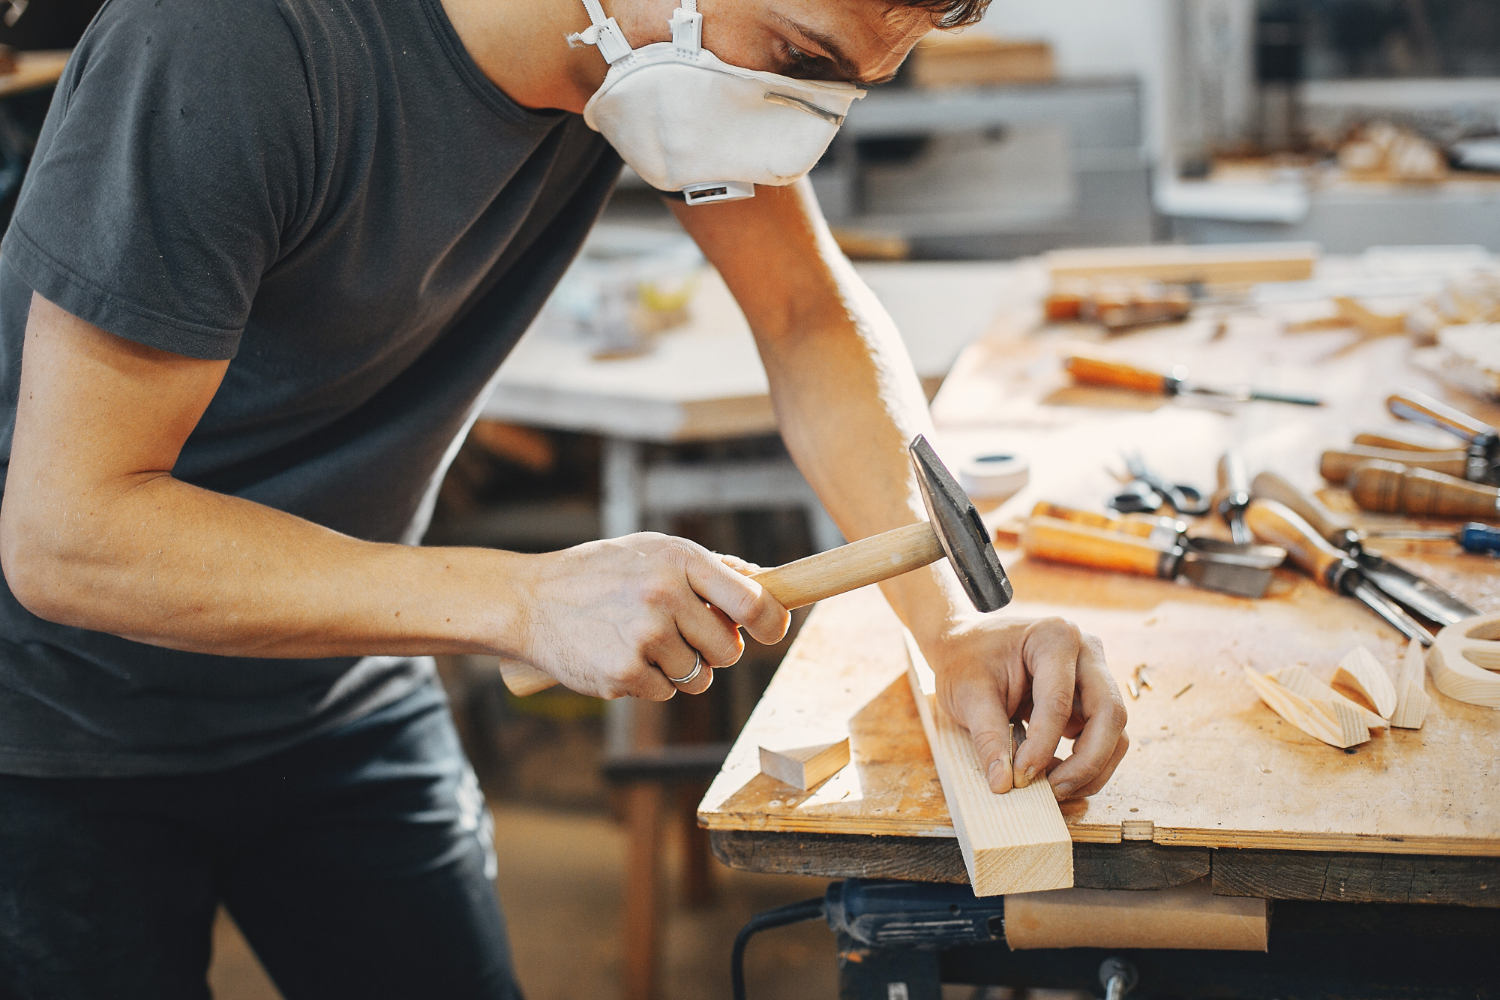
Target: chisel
x=1057, y=540
x=1093, y=371
x=1273, y=522
x=1163, y=532
x=1393, y=488
x=1483, y=441
x=1479, y=539
x=1417, y=594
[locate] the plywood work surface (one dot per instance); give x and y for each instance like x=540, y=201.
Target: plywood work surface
x=1209, y=764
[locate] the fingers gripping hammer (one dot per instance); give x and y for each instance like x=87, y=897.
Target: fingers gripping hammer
x=953, y=531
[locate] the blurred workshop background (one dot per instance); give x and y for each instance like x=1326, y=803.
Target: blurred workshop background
x=1332, y=130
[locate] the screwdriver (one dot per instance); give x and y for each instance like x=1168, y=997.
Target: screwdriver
x=1472, y=537
x=1093, y=371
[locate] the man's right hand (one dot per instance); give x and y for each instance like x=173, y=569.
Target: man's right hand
x=618, y=617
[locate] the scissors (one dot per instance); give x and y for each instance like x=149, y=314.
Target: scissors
x=1148, y=492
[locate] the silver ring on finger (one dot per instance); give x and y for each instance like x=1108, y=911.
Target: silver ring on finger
x=691, y=674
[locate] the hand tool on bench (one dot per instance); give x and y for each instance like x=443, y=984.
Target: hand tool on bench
x=953, y=531
x=1234, y=496
x=1415, y=593
x=1147, y=492
x=1333, y=568
x=1114, y=374
x=1393, y=488
x=1475, y=538
x=1244, y=574
x=1162, y=532
x=1336, y=464
x=1482, y=440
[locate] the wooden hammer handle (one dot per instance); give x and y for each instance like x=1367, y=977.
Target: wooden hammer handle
x=1335, y=466
x=1270, y=486
x=1056, y=540
x=1391, y=488
x=806, y=581
x=1412, y=405
x=1092, y=371
x=1276, y=524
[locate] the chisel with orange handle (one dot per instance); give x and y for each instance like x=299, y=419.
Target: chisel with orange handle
x=1392, y=488
x=1115, y=374
x=1162, y=531
x=1336, y=464
x=1057, y=540
x=1275, y=523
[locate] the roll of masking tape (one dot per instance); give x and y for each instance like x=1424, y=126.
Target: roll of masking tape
x=993, y=476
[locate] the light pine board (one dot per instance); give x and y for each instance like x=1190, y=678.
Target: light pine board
x=1012, y=843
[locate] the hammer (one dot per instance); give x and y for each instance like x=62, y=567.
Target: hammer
x=953, y=530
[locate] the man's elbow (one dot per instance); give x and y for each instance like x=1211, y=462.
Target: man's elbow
x=36, y=571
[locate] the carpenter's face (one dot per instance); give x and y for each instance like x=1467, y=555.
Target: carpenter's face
x=862, y=41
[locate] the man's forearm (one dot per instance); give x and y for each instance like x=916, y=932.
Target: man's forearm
x=163, y=562
x=847, y=399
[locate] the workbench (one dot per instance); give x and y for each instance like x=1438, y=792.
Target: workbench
x=1215, y=784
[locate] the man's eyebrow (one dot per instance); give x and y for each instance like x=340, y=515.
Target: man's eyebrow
x=835, y=52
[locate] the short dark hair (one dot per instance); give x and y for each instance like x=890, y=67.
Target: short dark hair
x=950, y=13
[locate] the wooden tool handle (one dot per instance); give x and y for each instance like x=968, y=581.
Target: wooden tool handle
x=1410, y=404
x=1092, y=371
x=1141, y=527
x=849, y=567
x=1395, y=489
x=1276, y=524
x=1057, y=540
x=1270, y=486
x=1232, y=475
x=797, y=584
x=1399, y=438
x=1335, y=466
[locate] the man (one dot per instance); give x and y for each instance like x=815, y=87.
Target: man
x=266, y=264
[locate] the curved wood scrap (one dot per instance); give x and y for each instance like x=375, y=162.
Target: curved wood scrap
x=1411, y=694
x=1298, y=681
x=1360, y=672
x=1335, y=724
x=1462, y=659
x=1015, y=842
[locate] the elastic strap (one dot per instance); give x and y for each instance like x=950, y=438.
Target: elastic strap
x=604, y=32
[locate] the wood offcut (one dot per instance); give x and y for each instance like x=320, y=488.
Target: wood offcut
x=1334, y=724
x=1361, y=673
x=805, y=767
x=1464, y=659
x=1411, y=694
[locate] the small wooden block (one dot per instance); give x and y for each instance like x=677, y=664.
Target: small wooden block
x=1298, y=681
x=1011, y=843
x=805, y=767
x=1362, y=673
x=1334, y=724
x=1462, y=659
x=1183, y=916
x=1411, y=694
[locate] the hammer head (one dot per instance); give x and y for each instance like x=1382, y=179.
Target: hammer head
x=960, y=531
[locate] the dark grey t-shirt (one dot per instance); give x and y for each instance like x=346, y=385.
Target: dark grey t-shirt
x=329, y=193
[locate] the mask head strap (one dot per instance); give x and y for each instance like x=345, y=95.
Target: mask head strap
x=686, y=24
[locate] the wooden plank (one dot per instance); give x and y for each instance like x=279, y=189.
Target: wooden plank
x=1230, y=264
x=1358, y=878
x=1012, y=843
x=1185, y=916
x=938, y=859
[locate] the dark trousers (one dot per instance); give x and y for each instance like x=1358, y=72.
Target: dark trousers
x=357, y=864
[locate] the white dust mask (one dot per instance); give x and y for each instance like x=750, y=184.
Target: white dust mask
x=687, y=121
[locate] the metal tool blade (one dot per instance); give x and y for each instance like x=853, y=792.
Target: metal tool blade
x=1245, y=393
x=1226, y=574
x=1416, y=594
x=1259, y=556
x=1391, y=612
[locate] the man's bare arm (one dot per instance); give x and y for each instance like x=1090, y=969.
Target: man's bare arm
x=96, y=533
x=848, y=402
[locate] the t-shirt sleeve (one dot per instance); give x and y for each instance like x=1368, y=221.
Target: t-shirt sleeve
x=174, y=167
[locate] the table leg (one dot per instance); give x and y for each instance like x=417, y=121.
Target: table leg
x=641, y=914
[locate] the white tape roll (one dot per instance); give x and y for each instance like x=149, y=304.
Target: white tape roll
x=993, y=476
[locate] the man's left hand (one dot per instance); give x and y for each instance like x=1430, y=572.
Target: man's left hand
x=1045, y=672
